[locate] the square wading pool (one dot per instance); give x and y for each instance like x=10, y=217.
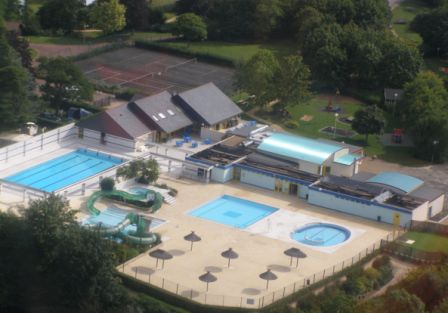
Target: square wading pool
x=232, y=211
x=65, y=170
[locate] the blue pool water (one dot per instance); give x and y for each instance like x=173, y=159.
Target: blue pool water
x=64, y=170
x=231, y=211
x=321, y=234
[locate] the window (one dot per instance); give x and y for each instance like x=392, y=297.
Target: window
x=162, y=116
x=155, y=118
x=170, y=112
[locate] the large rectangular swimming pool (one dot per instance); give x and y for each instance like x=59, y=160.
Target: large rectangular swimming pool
x=232, y=211
x=65, y=170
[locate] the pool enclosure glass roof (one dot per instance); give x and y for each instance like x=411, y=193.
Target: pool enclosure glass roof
x=400, y=181
x=299, y=148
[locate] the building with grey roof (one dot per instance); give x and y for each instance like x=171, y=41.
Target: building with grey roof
x=158, y=117
x=208, y=106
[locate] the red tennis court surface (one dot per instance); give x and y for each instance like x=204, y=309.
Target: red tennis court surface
x=152, y=72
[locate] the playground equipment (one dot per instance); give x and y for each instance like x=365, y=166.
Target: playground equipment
x=150, y=199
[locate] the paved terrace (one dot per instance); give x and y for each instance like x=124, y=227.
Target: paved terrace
x=258, y=250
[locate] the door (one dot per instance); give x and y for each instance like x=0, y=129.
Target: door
x=278, y=185
x=103, y=138
x=236, y=173
x=293, y=189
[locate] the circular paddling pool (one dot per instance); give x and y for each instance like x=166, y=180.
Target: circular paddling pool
x=321, y=234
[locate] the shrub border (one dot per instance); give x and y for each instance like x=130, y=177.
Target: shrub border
x=201, y=56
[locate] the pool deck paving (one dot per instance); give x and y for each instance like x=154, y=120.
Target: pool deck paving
x=257, y=251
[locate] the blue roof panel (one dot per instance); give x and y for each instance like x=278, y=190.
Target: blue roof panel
x=397, y=180
x=347, y=159
x=297, y=147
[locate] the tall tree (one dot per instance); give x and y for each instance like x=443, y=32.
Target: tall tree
x=190, y=26
x=15, y=87
x=433, y=27
x=109, y=16
x=424, y=109
x=257, y=76
x=61, y=15
x=291, y=82
x=64, y=83
x=368, y=121
x=137, y=13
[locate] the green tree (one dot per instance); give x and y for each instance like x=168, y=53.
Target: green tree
x=292, y=82
x=399, y=300
x=15, y=87
x=424, y=109
x=137, y=13
x=145, y=172
x=191, y=27
x=48, y=219
x=107, y=184
x=257, y=76
x=109, y=16
x=368, y=121
x=433, y=28
x=372, y=13
x=61, y=15
x=442, y=307
x=64, y=84
x=22, y=47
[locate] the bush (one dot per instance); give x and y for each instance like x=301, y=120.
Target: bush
x=185, y=52
x=107, y=184
x=292, y=124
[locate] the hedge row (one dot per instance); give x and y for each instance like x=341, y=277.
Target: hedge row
x=185, y=52
x=98, y=51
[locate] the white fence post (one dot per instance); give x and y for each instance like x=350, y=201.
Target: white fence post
x=83, y=189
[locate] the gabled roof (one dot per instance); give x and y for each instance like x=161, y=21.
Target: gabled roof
x=128, y=121
x=400, y=181
x=297, y=147
x=118, y=122
x=160, y=111
x=209, y=103
x=102, y=122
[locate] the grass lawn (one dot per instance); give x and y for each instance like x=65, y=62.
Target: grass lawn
x=149, y=35
x=427, y=242
x=162, y=3
x=407, y=11
x=236, y=51
x=309, y=118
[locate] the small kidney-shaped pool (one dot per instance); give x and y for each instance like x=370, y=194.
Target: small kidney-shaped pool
x=321, y=234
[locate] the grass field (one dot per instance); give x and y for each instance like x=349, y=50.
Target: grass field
x=236, y=51
x=407, y=11
x=428, y=242
x=309, y=118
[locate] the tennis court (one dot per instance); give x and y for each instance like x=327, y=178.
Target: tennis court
x=152, y=72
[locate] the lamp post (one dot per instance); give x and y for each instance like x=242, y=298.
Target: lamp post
x=434, y=144
x=335, y=119
x=395, y=103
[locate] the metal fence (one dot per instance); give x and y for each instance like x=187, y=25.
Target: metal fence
x=146, y=275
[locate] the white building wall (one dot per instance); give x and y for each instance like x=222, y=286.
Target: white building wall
x=437, y=205
x=340, y=153
x=94, y=137
x=257, y=179
x=309, y=167
x=356, y=208
x=421, y=213
x=222, y=175
x=303, y=191
x=342, y=170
